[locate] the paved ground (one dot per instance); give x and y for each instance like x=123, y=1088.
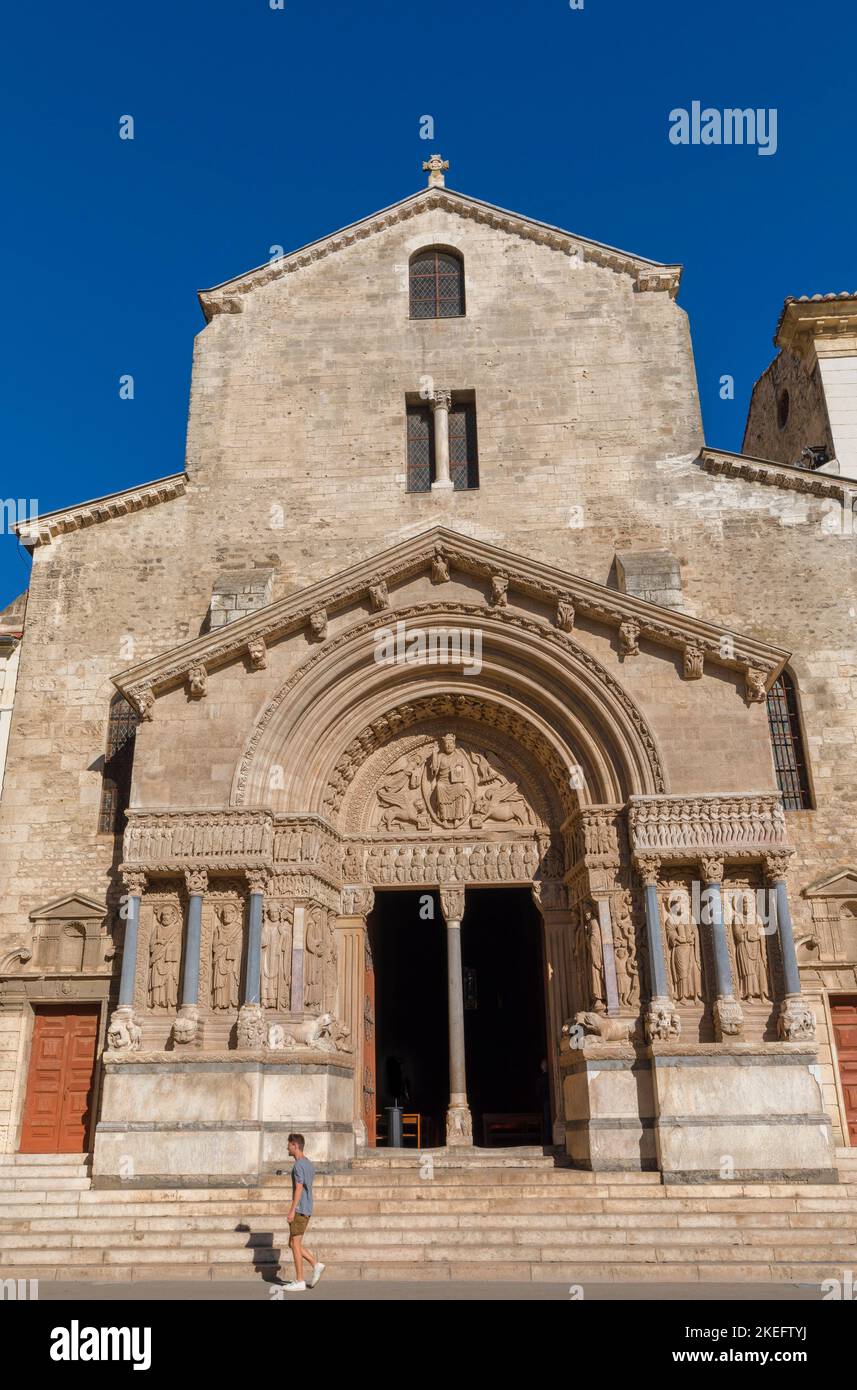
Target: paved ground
x=405, y=1291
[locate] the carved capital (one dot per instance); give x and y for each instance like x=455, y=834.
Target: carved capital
x=776, y=866
x=257, y=879
x=251, y=1032
x=357, y=900
x=712, y=869
x=257, y=651
x=459, y=1126
x=441, y=398
x=452, y=903
x=549, y=896
x=662, y=1022
x=648, y=867
x=134, y=881
x=196, y=880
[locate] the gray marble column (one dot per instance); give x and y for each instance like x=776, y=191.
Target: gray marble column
x=661, y=1018
x=251, y=1018
x=459, y=1123
x=187, y=1027
x=796, y=1022
x=728, y=1018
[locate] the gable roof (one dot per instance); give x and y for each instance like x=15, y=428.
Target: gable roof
x=719, y=646
x=226, y=298
x=41, y=530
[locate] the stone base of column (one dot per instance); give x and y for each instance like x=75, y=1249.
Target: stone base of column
x=796, y=1022
x=459, y=1123
x=443, y=486
x=728, y=1018
x=251, y=1027
x=124, y=1033
x=188, y=1028
x=661, y=1020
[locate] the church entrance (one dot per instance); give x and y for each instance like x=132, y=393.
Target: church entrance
x=504, y=1016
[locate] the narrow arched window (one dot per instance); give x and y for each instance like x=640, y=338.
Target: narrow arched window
x=437, y=284
x=118, y=764
x=787, y=744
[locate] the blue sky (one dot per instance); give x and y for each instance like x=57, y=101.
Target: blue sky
x=257, y=126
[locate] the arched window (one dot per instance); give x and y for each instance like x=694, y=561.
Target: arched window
x=437, y=284
x=787, y=744
x=118, y=762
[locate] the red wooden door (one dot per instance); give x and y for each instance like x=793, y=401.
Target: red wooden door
x=369, y=1070
x=61, y=1078
x=844, y=1014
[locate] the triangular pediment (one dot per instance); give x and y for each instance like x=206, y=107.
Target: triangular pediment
x=508, y=581
x=840, y=884
x=73, y=907
x=227, y=298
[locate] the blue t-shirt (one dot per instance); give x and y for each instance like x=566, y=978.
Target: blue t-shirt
x=303, y=1171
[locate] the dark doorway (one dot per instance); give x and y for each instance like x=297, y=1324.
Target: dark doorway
x=504, y=1018
x=504, y=1015
x=408, y=949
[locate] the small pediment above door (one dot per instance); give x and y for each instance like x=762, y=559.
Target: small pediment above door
x=841, y=884
x=74, y=908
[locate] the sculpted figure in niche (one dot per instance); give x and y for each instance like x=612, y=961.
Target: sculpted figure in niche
x=314, y=952
x=750, y=958
x=276, y=957
x=685, y=966
x=165, y=949
x=226, y=957
x=595, y=955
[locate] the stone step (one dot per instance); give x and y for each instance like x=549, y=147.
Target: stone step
x=41, y=1183
x=43, y=1160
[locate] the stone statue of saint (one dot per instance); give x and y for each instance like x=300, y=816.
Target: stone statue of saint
x=750, y=959
x=276, y=957
x=684, y=960
x=314, y=947
x=226, y=957
x=165, y=947
x=595, y=952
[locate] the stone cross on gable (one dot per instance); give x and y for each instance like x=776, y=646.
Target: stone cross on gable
x=435, y=167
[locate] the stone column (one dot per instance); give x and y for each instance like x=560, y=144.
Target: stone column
x=662, y=1021
x=124, y=1031
x=357, y=903
x=440, y=402
x=556, y=937
x=459, y=1125
x=251, y=1018
x=298, y=937
x=796, y=1022
x=187, y=1027
x=728, y=1018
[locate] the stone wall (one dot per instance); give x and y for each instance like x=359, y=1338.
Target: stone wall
x=806, y=425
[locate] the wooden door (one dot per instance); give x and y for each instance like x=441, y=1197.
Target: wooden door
x=57, y=1110
x=844, y=1014
x=370, y=1086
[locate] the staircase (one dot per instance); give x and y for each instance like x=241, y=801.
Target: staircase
x=391, y=1216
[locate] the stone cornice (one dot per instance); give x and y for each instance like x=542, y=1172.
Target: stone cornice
x=759, y=661
x=815, y=316
x=41, y=530
x=647, y=275
x=720, y=462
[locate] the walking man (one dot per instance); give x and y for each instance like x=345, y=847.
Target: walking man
x=299, y=1215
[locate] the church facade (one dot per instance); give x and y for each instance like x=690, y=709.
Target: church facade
x=456, y=710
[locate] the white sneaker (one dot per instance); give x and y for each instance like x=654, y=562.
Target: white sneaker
x=318, y=1271
x=296, y=1286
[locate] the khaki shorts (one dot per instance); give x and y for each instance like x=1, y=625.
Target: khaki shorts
x=299, y=1225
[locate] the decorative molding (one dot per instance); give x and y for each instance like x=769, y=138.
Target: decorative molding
x=647, y=276
x=784, y=476
x=683, y=829
x=41, y=530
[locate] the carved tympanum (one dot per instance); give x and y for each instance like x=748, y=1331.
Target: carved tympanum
x=442, y=784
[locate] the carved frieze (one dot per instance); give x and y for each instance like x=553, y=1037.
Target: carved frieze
x=685, y=828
